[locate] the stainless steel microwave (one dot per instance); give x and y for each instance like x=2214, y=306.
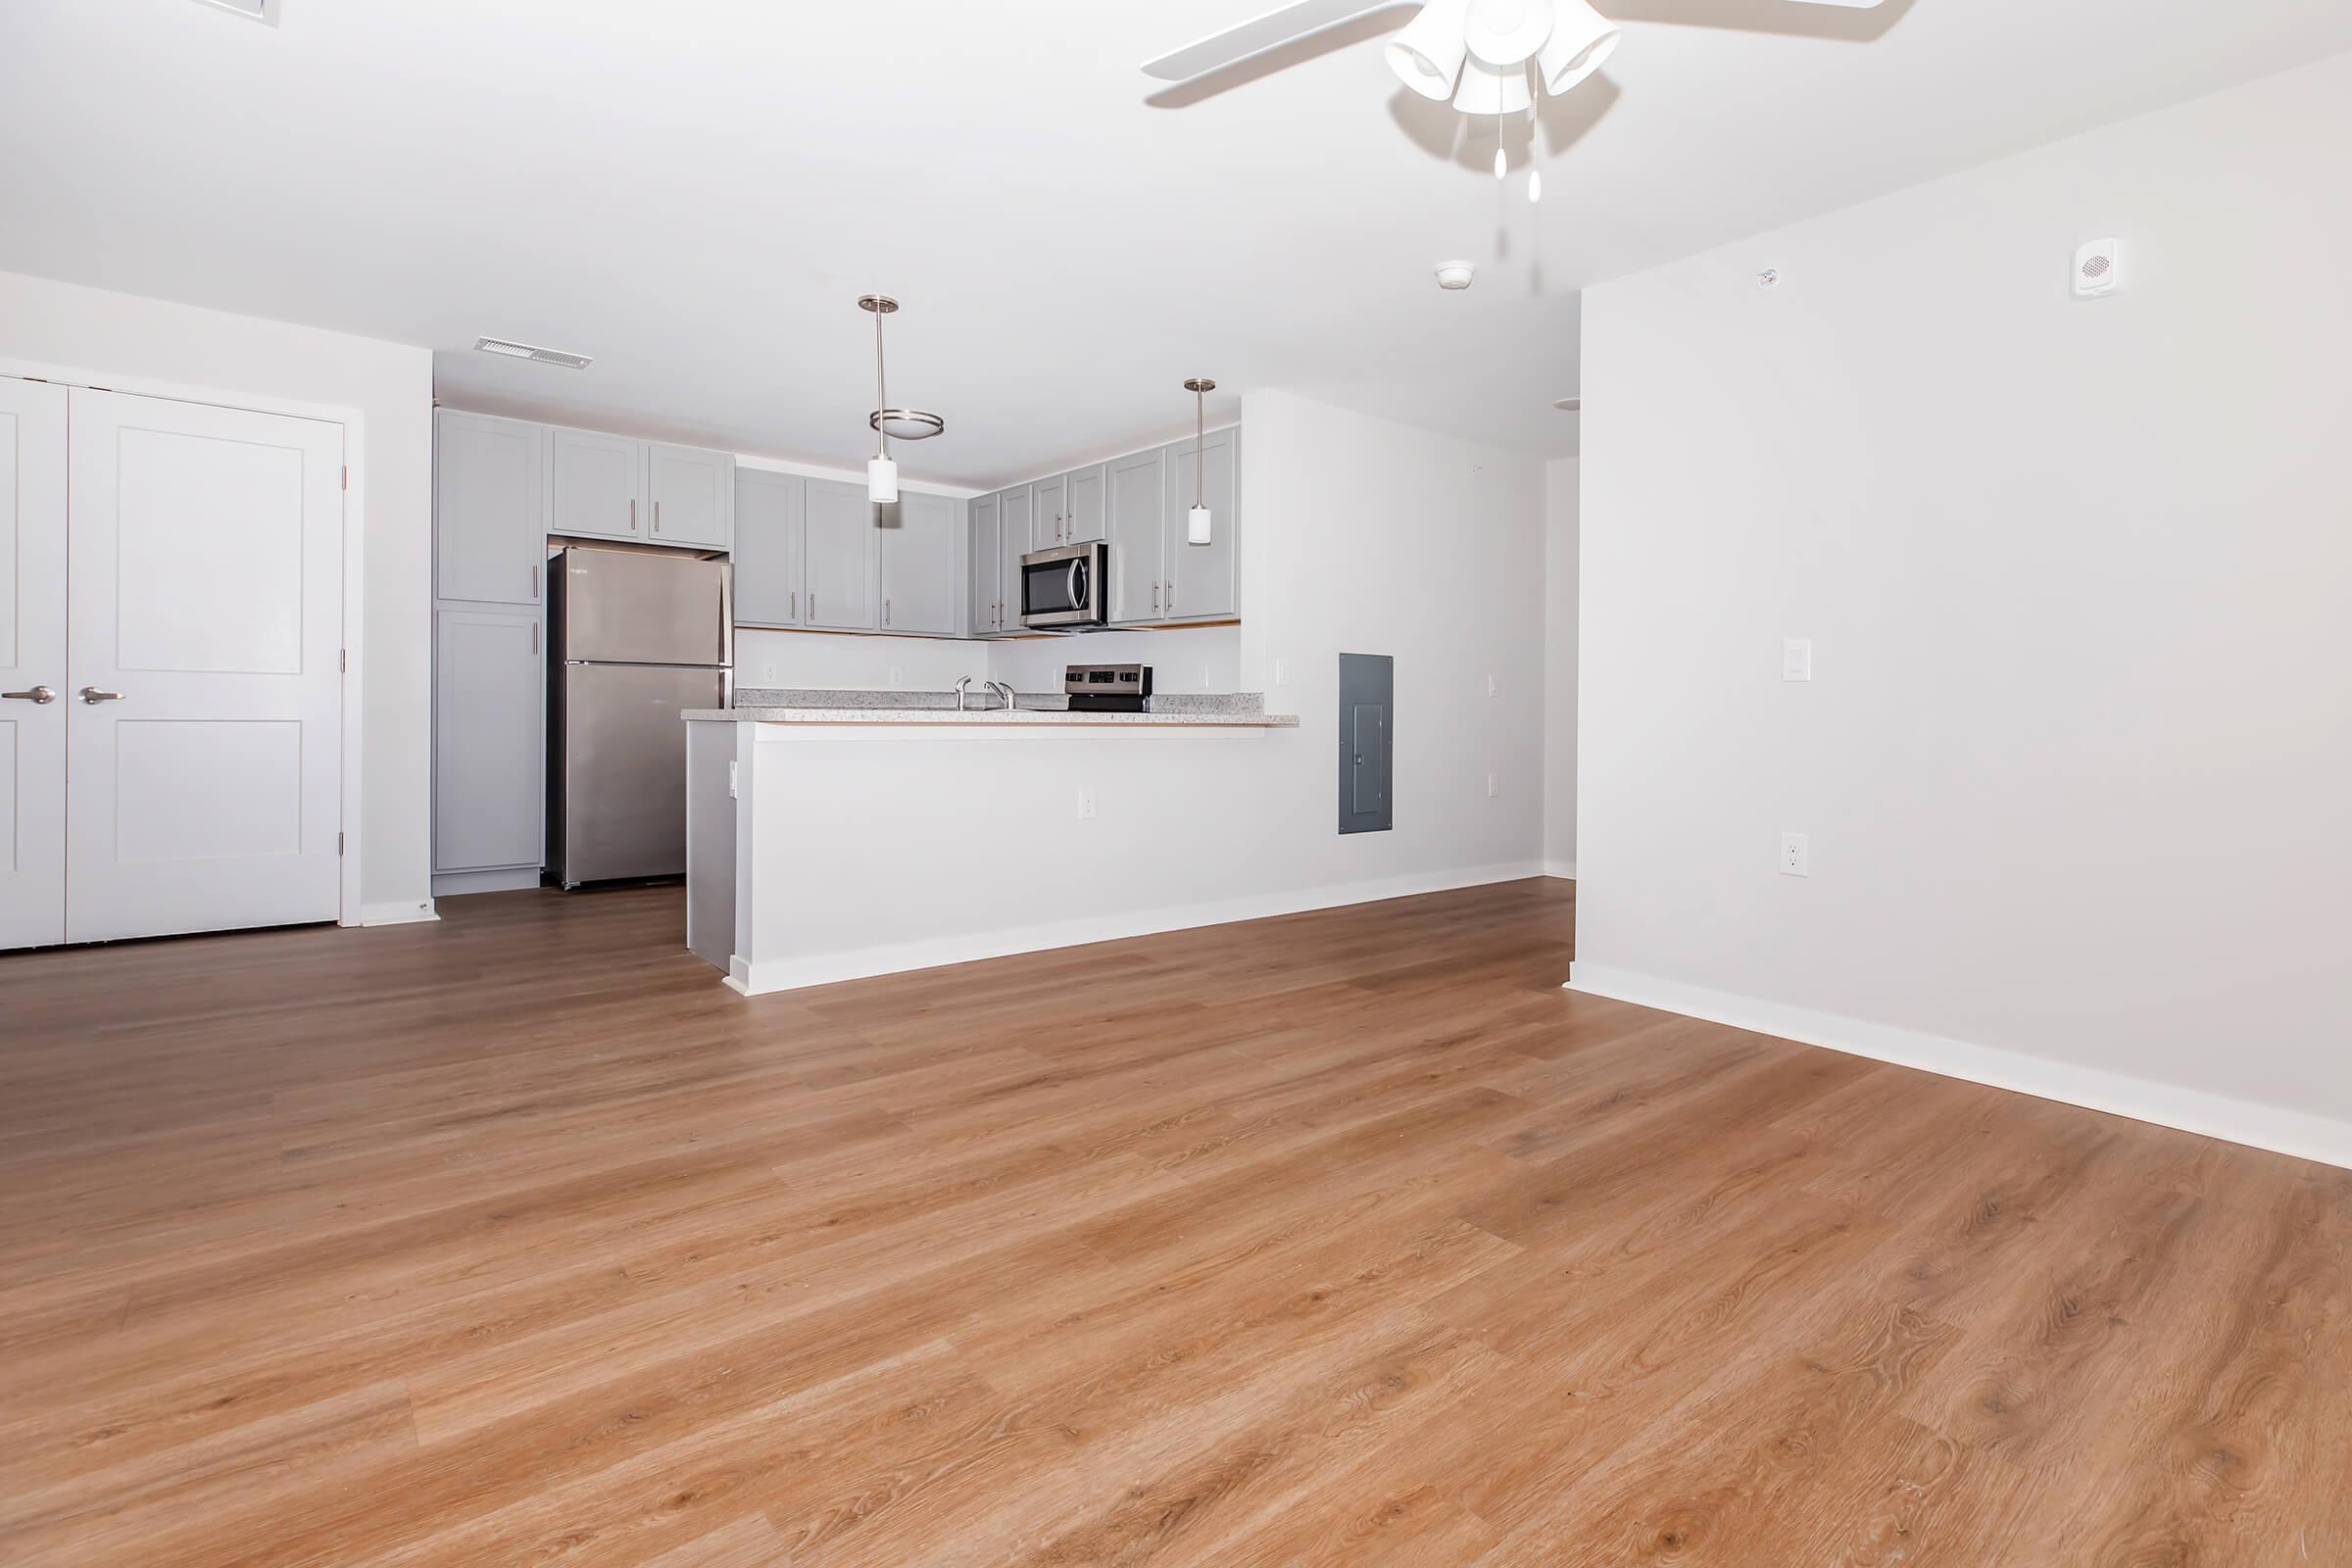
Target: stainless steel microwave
x=1067, y=588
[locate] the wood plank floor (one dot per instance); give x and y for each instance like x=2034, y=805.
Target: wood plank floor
x=1341, y=1238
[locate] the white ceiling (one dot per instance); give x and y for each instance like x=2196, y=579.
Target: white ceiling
x=696, y=192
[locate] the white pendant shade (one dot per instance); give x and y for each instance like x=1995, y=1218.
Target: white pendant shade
x=1492, y=90
x=1195, y=526
x=1506, y=32
x=1427, y=56
x=881, y=481
x=1581, y=41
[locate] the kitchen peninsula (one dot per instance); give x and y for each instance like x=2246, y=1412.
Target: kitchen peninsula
x=834, y=835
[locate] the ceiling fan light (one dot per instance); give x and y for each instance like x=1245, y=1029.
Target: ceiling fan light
x=1506, y=32
x=1427, y=56
x=1492, y=90
x=1582, y=40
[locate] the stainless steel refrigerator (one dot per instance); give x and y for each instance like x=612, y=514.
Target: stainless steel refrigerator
x=636, y=637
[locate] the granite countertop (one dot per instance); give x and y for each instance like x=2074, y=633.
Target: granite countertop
x=803, y=706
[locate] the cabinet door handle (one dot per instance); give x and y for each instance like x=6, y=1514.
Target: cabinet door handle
x=1156, y=599
x=535, y=639
x=1171, y=595
x=535, y=582
x=812, y=604
x=656, y=516
x=794, y=614
x=632, y=514
x=885, y=612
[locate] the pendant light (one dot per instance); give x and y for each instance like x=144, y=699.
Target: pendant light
x=881, y=474
x=1197, y=521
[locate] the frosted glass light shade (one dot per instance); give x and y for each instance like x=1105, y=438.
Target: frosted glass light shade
x=1486, y=91
x=881, y=481
x=1427, y=56
x=1582, y=40
x=1195, y=526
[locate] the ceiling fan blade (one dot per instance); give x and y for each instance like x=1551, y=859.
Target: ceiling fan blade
x=1261, y=33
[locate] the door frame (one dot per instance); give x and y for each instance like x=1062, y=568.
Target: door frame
x=350, y=910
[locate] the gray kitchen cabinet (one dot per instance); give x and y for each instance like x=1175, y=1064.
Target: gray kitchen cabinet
x=916, y=542
x=489, y=740
x=489, y=509
x=1198, y=583
x=987, y=570
x=1049, y=517
x=1137, y=499
x=769, y=510
x=1014, y=538
x=1085, y=498
x=838, y=557
x=597, y=482
x=692, y=492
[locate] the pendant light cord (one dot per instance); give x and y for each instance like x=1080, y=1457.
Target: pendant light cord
x=881, y=390
x=1200, y=440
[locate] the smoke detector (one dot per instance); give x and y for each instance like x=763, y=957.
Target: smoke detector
x=531, y=352
x=1455, y=276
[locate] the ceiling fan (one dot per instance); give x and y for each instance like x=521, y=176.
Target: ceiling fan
x=1475, y=52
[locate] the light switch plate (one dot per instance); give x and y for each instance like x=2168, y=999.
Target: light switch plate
x=1796, y=659
x=1085, y=803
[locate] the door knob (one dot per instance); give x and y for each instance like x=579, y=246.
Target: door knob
x=39, y=694
x=94, y=696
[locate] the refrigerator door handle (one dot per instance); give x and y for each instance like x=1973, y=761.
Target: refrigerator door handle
x=726, y=613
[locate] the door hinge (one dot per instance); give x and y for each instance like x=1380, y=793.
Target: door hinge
x=338, y=843
x=347, y=476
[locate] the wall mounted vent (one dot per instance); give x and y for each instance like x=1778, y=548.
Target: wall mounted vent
x=536, y=355
x=261, y=11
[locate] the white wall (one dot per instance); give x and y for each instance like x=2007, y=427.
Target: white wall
x=1183, y=658
x=2078, y=576
x=1360, y=535
x=153, y=345
x=1559, y=666
x=855, y=661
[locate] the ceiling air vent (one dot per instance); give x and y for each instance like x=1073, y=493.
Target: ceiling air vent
x=538, y=356
x=263, y=11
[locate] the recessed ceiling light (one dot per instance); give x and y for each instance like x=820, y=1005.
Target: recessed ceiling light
x=261, y=11
x=537, y=355
x=1569, y=405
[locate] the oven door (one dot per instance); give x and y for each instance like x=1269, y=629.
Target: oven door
x=1062, y=590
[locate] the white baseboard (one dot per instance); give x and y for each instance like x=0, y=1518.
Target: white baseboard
x=403, y=913
x=1560, y=868
x=789, y=974
x=2238, y=1121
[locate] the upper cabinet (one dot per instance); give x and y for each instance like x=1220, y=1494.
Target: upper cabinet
x=839, y=558
x=987, y=609
x=1049, y=514
x=768, y=515
x=918, y=560
x=598, y=485
x=1084, y=500
x=693, y=496
x=1200, y=583
x=489, y=509
x=617, y=487
x=1138, y=552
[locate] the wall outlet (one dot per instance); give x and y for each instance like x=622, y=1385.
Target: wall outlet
x=1281, y=673
x=1207, y=677
x=1796, y=659
x=1492, y=686
x=1494, y=785
x=767, y=675
x=1085, y=803
x=1796, y=855
x=898, y=676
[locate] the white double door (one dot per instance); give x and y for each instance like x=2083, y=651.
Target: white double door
x=170, y=644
